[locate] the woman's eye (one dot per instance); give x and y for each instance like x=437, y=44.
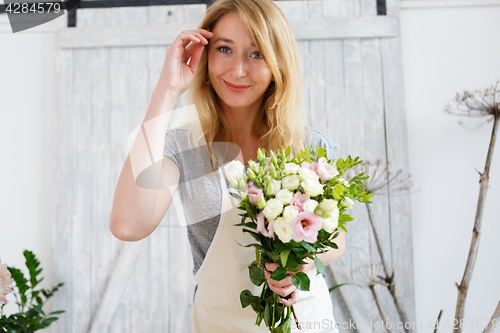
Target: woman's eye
x=259, y=56
x=222, y=47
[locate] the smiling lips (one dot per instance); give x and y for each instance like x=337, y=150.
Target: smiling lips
x=235, y=88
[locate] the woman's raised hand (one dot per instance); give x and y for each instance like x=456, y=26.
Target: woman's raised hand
x=177, y=75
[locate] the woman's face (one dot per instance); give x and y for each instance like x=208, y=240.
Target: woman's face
x=233, y=59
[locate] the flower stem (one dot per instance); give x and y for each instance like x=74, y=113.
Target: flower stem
x=295, y=317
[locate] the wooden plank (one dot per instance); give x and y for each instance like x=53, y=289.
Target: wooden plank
x=100, y=150
x=397, y=155
x=392, y=8
x=351, y=8
x=411, y=4
x=304, y=29
x=374, y=130
x=63, y=196
x=119, y=104
x=368, y=8
x=317, y=82
x=81, y=187
x=116, y=285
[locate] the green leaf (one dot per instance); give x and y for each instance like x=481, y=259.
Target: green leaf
x=246, y=297
x=268, y=314
x=319, y=265
x=57, y=312
x=21, y=283
x=32, y=264
x=288, y=150
x=292, y=264
x=341, y=226
x=285, y=326
x=301, y=281
x=301, y=252
x=337, y=286
x=279, y=274
x=284, y=257
x=256, y=274
x=345, y=218
x=48, y=321
x=38, y=309
x=308, y=246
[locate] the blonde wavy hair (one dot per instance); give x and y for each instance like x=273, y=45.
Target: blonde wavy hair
x=281, y=121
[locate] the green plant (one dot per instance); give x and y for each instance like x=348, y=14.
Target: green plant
x=30, y=317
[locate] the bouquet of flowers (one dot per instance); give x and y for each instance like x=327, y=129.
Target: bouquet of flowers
x=295, y=208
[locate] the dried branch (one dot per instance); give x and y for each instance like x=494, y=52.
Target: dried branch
x=485, y=104
x=494, y=318
x=437, y=321
x=382, y=181
x=372, y=288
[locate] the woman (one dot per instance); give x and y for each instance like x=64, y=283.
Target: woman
x=244, y=79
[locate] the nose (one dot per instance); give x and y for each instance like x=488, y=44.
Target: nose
x=239, y=66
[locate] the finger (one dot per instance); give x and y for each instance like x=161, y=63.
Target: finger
x=284, y=283
x=195, y=58
x=190, y=50
x=271, y=266
x=292, y=300
x=283, y=292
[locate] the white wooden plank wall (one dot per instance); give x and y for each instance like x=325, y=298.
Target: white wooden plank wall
x=352, y=92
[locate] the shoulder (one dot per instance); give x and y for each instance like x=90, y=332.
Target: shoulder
x=318, y=138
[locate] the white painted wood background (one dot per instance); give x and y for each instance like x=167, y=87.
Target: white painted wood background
x=106, y=70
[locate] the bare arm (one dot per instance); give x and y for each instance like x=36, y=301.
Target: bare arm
x=137, y=210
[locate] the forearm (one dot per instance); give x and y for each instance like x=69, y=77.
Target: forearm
x=331, y=254
x=133, y=205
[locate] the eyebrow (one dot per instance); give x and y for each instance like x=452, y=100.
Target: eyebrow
x=227, y=40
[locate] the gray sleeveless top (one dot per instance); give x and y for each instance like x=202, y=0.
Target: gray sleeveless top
x=199, y=188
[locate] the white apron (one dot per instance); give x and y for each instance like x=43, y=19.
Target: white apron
x=223, y=275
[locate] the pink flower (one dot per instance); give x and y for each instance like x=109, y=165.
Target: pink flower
x=253, y=193
x=265, y=226
x=307, y=165
x=5, y=281
x=306, y=226
x=299, y=199
x=326, y=171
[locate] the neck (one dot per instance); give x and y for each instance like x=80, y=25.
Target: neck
x=241, y=123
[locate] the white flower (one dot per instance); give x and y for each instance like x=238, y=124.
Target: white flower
x=326, y=171
x=234, y=169
x=307, y=174
x=326, y=207
x=290, y=182
x=310, y=205
x=345, y=182
x=347, y=204
x=273, y=208
x=267, y=167
x=285, y=196
x=312, y=187
x=290, y=212
x=291, y=168
x=331, y=223
x=276, y=186
x=283, y=229
x=5, y=281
